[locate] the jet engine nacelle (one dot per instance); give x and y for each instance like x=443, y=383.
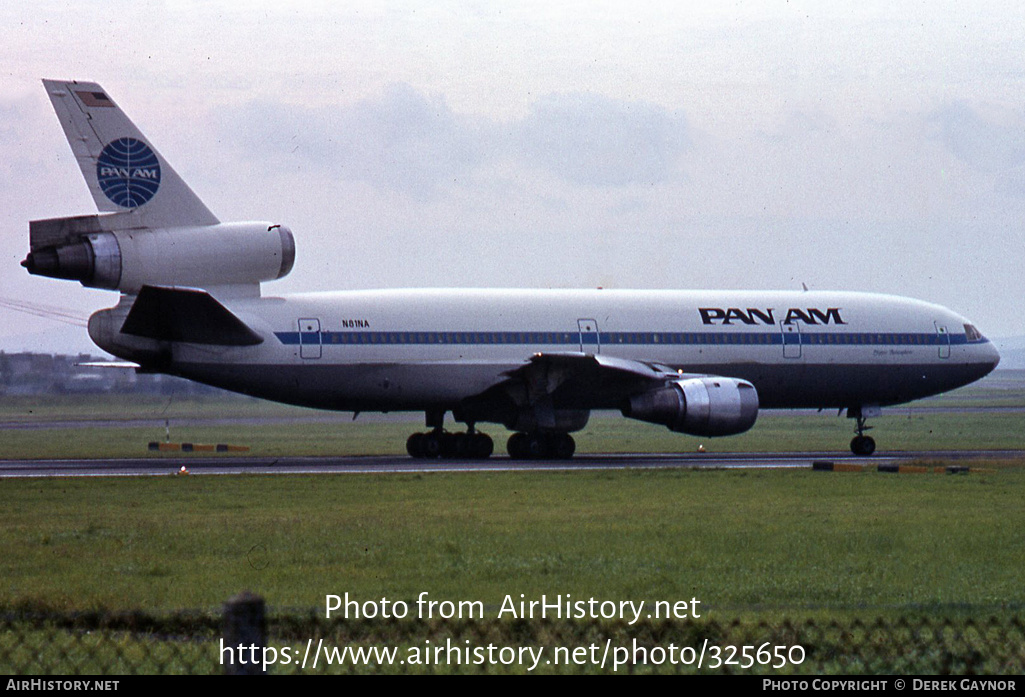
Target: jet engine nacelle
x=213, y=255
x=704, y=406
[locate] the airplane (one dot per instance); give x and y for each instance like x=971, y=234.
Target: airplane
x=538, y=362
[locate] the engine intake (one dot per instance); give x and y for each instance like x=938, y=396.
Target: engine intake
x=705, y=406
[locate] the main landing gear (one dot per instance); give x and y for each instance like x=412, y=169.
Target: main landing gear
x=455, y=446
x=479, y=446
x=541, y=446
x=861, y=444
x=473, y=445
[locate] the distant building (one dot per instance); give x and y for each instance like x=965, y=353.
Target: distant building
x=40, y=373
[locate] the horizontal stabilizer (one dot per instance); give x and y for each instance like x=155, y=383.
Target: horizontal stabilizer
x=186, y=315
x=109, y=364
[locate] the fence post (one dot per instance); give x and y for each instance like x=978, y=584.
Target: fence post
x=245, y=635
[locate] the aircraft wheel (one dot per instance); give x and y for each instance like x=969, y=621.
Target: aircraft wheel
x=517, y=446
x=537, y=446
x=415, y=445
x=453, y=445
x=431, y=445
x=461, y=446
x=563, y=446
x=481, y=446
x=863, y=446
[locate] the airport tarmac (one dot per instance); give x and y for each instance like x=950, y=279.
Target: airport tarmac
x=203, y=464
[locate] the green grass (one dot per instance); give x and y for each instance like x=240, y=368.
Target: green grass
x=605, y=434
x=741, y=542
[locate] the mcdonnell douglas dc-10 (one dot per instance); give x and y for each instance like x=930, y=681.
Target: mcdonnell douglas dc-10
x=536, y=361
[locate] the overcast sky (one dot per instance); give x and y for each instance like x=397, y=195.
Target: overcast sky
x=876, y=146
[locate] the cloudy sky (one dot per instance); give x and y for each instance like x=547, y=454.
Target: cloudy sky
x=875, y=146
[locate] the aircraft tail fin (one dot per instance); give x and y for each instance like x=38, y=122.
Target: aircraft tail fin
x=125, y=173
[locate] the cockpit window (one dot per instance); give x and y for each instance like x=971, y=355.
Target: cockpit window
x=972, y=334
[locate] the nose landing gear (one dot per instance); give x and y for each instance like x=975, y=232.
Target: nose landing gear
x=862, y=445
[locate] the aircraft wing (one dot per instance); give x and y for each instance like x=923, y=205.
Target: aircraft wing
x=588, y=365
x=575, y=379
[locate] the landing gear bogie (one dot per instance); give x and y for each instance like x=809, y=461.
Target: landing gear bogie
x=450, y=446
x=541, y=446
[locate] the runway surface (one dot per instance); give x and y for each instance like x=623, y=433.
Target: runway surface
x=206, y=464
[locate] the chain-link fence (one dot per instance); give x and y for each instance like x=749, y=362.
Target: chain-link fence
x=101, y=643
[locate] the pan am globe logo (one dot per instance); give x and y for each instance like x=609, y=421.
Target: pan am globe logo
x=129, y=172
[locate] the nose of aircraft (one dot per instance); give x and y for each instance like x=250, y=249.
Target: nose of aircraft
x=988, y=356
x=982, y=354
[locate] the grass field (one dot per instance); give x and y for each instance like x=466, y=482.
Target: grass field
x=605, y=434
x=742, y=542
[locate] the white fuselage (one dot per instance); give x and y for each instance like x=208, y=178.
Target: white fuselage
x=423, y=349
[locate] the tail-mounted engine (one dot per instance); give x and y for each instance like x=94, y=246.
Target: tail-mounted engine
x=90, y=250
x=704, y=406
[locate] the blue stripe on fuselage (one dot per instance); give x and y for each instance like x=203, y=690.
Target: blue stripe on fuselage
x=806, y=338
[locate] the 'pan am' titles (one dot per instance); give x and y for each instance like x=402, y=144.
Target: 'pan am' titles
x=753, y=315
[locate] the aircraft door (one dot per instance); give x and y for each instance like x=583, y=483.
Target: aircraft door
x=309, y=338
x=589, y=340
x=943, y=339
x=791, y=335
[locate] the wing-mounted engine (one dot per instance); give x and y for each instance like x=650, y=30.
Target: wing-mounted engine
x=699, y=406
x=96, y=252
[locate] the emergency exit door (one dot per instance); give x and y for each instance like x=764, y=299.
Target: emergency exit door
x=791, y=334
x=589, y=340
x=309, y=338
